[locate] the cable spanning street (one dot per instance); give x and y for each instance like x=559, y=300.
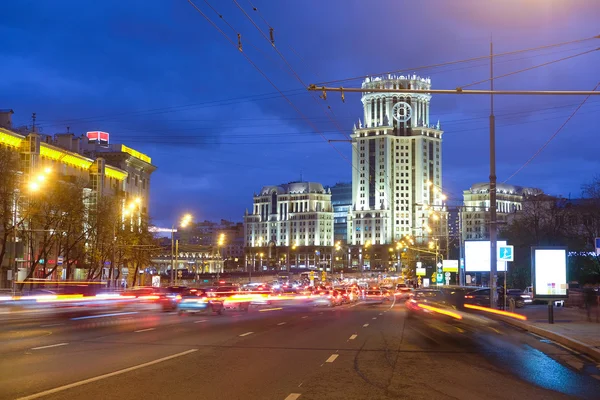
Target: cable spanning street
x=347, y=352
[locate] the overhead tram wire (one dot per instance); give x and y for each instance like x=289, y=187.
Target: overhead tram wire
x=234, y=100
x=292, y=70
x=551, y=137
x=530, y=68
x=486, y=57
x=333, y=118
x=265, y=76
x=165, y=110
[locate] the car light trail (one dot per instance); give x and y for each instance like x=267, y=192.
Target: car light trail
x=440, y=311
x=499, y=312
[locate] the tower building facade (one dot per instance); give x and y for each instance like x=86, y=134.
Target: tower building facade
x=397, y=165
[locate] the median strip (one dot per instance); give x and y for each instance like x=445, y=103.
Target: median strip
x=49, y=346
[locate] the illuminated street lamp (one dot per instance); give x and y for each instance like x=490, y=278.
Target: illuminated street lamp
x=34, y=185
x=184, y=222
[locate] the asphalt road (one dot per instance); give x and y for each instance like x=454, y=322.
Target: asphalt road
x=348, y=352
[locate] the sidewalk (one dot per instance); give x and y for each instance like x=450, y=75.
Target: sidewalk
x=571, y=327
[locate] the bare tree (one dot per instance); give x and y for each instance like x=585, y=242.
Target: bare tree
x=53, y=220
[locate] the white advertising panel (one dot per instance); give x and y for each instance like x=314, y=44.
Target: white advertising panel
x=549, y=273
x=477, y=256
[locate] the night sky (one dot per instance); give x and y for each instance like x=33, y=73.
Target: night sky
x=159, y=78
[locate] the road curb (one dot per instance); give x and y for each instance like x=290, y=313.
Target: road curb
x=571, y=343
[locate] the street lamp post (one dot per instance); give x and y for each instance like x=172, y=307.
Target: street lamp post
x=33, y=186
x=185, y=221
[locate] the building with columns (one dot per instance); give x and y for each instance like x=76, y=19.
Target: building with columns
x=475, y=212
x=397, y=159
x=290, y=225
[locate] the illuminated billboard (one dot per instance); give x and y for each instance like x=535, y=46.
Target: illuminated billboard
x=549, y=272
x=97, y=136
x=477, y=256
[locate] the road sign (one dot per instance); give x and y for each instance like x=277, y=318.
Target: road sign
x=439, y=278
x=597, y=241
x=506, y=253
x=421, y=271
x=447, y=274
x=179, y=274
x=59, y=260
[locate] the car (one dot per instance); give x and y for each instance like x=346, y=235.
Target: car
x=374, y=296
x=199, y=301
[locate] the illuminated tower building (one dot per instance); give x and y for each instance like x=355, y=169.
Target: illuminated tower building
x=397, y=165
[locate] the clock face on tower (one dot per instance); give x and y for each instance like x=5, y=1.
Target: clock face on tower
x=402, y=111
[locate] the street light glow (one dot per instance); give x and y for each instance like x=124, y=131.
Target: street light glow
x=34, y=186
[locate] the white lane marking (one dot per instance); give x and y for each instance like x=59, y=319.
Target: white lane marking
x=281, y=323
x=374, y=318
x=353, y=337
x=292, y=396
x=104, y=315
x=380, y=313
x=144, y=330
x=202, y=320
x=306, y=316
x=365, y=325
x=49, y=346
x=300, y=384
x=100, y=377
x=247, y=333
x=49, y=325
x=332, y=358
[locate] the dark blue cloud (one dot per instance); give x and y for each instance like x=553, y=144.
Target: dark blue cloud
x=161, y=79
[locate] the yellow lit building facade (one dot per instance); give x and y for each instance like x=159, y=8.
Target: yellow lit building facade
x=108, y=170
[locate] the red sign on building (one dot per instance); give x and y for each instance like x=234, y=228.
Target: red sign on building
x=98, y=136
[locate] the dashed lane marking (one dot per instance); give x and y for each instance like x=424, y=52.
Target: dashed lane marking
x=353, y=337
x=306, y=316
x=281, y=323
x=293, y=396
x=365, y=325
x=374, y=318
x=247, y=333
x=332, y=358
x=202, y=320
x=49, y=346
x=145, y=330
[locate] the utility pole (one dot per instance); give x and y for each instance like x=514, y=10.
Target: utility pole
x=493, y=233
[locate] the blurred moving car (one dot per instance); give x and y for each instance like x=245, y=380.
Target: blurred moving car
x=447, y=306
x=170, y=296
x=198, y=301
x=374, y=296
x=327, y=298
